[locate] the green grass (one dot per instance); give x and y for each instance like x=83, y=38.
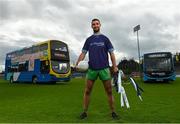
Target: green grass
x=21, y=102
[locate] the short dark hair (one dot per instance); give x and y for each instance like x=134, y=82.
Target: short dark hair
x=95, y=19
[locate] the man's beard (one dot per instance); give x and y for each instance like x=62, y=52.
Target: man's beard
x=96, y=31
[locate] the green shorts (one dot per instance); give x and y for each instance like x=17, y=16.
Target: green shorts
x=103, y=74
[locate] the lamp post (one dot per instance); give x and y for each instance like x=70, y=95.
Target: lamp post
x=136, y=29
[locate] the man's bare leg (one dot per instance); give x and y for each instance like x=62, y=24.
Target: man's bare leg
x=108, y=89
x=86, y=100
x=87, y=92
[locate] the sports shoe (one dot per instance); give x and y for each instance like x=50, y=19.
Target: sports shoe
x=83, y=115
x=114, y=115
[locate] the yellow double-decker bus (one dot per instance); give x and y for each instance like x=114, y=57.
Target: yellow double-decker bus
x=46, y=61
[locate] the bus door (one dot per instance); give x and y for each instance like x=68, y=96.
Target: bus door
x=44, y=67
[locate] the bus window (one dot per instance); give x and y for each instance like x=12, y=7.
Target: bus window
x=59, y=51
x=35, y=49
x=15, y=54
x=9, y=69
x=23, y=67
x=60, y=67
x=28, y=51
x=44, y=66
x=43, y=47
x=21, y=52
x=13, y=68
x=59, y=46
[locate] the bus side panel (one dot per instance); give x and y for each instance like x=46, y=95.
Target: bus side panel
x=145, y=78
x=45, y=78
x=40, y=76
x=7, y=63
x=8, y=76
x=26, y=76
x=37, y=66
x=173, y=77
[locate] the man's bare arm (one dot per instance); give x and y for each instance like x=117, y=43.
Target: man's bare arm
x=113, y=60
x=81, y=57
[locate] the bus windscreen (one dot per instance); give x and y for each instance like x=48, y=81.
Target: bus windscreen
x=158, y=64
x=59, y=51
x=60, y=67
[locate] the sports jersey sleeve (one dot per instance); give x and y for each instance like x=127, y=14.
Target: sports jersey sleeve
x=85, y=47
x=109, y=46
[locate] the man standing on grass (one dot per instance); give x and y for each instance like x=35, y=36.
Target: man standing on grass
x=98, y=46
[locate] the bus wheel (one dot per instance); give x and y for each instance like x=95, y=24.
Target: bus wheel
x=11, y=80
x=34, y=80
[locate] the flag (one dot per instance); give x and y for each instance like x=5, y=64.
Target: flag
x=136, y=87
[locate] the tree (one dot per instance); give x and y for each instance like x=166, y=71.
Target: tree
x=128, y=66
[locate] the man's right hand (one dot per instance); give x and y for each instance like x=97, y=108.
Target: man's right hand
x=115, y=69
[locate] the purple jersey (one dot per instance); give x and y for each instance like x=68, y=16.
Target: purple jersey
x=98, y=46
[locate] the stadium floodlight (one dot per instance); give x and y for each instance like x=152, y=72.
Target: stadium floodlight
x=136, y=29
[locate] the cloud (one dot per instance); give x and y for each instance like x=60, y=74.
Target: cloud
x=25, y=22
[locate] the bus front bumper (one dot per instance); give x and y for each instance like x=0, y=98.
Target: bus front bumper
x=54, y=78
x=168, y=78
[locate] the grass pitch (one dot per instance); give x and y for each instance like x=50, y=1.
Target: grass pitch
x=62, y=102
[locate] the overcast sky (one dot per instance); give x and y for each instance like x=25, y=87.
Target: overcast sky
x=25, y=22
